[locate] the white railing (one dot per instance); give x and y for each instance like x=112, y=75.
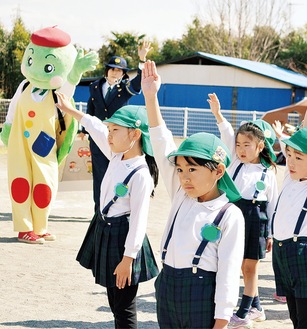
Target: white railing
x=185, y=121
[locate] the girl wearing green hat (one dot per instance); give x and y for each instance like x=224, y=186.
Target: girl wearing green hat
x=251, y=169
x=202, y=245
x=289, y=226
x=116, y=247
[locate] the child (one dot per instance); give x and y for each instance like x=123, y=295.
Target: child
x=107, y=95
x=290, y=229
x=253, y=156
x=199, y=283
x=115, y=247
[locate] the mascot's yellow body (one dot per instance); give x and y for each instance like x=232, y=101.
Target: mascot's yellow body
x=37, y=135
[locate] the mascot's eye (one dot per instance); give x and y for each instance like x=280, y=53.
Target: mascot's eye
x=49, y=68
x=30, y=61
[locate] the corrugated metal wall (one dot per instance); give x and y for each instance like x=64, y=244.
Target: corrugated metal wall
x=238, y=89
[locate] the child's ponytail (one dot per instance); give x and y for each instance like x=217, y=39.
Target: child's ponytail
x=153, y=169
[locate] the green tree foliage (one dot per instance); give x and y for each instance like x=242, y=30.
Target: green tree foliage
x=3, y=42
x=293, y=55
x=126, y=46
x=12, y=52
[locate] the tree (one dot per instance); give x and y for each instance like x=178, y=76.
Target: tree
x=247, y=29
x=264, y=44
x=293, y=55
x=15, y=45
x=124, y=45
x=3, y=42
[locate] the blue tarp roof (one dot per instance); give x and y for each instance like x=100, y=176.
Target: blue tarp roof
x=269, y=70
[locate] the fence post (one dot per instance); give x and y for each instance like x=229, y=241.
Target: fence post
x=254, y=115
x=185, y=123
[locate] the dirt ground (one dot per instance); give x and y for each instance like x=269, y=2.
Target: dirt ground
x=43, y=286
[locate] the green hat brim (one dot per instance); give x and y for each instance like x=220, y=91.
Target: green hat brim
x=298, y=140
x=146, y=145
x=225, y=183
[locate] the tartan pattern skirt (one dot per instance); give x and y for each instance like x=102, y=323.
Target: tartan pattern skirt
x=290, y=267
x=184, y=299
x=256, y=228
x=103, y=249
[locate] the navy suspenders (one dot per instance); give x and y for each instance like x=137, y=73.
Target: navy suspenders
x=202, y=245
x=125, y=182
x=299, y=222
x=264, y=171
x=237, y=171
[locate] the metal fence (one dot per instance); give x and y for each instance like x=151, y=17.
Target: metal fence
x=184, y=122
x=4, y=105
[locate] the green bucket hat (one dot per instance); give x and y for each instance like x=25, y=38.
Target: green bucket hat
x=269, y=138
x=132, y=116
x=208, y=146
x=298, y=140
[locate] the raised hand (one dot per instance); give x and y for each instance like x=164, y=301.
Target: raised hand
x=151, y=80
x=215, y=107
x=214, y=103
x=278, y=128
x=143, y=50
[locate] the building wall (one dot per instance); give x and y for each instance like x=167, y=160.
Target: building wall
x=189, y=86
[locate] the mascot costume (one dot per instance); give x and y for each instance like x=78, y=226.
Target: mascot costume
x=37, y=134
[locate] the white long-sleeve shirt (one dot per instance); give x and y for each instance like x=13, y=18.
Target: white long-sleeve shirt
x=136, y=201
x=223, y=256
x=291, y=202
x=250, y=173
x=292, y=198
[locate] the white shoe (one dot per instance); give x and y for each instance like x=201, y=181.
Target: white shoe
x=236, y=322
x=256, y=315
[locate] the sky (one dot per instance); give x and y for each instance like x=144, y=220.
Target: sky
x=90, y=22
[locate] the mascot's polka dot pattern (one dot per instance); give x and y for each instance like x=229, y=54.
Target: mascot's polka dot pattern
x=29, y=124
x=20, y=190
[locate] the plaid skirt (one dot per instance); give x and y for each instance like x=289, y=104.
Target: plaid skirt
x=256, y=228
x=103, y=249
x=290, y=267
x=184, y=299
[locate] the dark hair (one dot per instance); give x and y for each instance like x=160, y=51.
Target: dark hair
x=125, y=76
x=211, y=165
x=254, y=132
x=154, y=171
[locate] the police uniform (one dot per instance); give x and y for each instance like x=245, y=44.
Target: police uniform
x=103, y=109
x=257, y=214
x=191, y=296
